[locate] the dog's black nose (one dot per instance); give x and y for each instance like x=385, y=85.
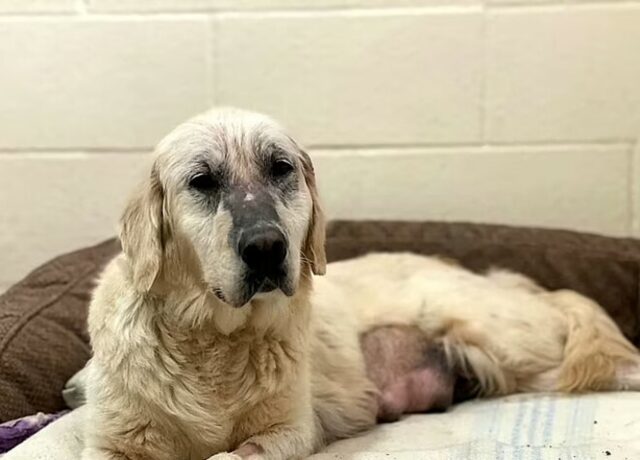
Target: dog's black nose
x=263, y=250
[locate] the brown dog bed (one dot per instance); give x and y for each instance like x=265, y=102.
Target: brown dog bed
x=43, y=338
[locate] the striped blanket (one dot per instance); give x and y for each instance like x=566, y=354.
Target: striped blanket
x=523, y=427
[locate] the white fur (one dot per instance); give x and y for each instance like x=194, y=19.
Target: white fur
x=179, y=374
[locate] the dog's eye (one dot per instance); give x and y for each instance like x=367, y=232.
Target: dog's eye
x=281, y=168
x=203, y=182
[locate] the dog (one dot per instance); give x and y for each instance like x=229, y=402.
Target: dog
x=213, y=339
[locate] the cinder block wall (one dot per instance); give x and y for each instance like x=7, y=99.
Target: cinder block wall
x=519, y=111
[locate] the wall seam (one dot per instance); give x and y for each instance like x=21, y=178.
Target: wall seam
x=634, y=189
x=213, y=57
x=484, y=76
x=82, y=7
x=480, y=147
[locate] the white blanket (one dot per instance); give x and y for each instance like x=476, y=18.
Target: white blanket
x=523, y=427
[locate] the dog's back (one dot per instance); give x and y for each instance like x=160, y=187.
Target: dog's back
x=509, y=333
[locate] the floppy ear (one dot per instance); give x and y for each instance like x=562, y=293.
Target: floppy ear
x=314, y=249
x=141, y=232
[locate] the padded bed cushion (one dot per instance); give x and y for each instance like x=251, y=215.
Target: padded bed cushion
x=43, y=339
x=520, y=427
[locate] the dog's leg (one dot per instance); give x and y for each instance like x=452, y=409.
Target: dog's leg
x=282, y=442
x=628, y=377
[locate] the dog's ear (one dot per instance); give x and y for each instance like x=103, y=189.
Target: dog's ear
x=314, y=249
x=141, y=228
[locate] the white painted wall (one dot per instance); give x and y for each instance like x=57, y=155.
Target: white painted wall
x=518, y=111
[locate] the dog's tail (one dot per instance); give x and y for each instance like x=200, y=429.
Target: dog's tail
x=597, y=356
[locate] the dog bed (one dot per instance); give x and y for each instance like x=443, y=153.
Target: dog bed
x=43, y=342
x=544, y=427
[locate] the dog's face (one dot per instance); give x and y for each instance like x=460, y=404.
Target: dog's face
x=232, y=201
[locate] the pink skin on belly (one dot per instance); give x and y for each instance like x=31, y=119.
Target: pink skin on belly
x=411, y=374
x=422, y=390
x=249, y=451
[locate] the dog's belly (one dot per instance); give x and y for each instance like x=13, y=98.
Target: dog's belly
x=411, y=373
x=381, y=371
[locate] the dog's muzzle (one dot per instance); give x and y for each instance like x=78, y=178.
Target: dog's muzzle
x=263, y=249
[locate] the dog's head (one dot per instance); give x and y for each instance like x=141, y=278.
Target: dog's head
x=230, y=205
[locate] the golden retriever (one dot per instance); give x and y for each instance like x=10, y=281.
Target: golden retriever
x=212, y=339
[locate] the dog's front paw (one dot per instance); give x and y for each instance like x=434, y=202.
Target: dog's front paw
x=225, y=456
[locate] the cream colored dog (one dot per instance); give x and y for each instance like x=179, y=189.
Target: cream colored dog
x=212, y=339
